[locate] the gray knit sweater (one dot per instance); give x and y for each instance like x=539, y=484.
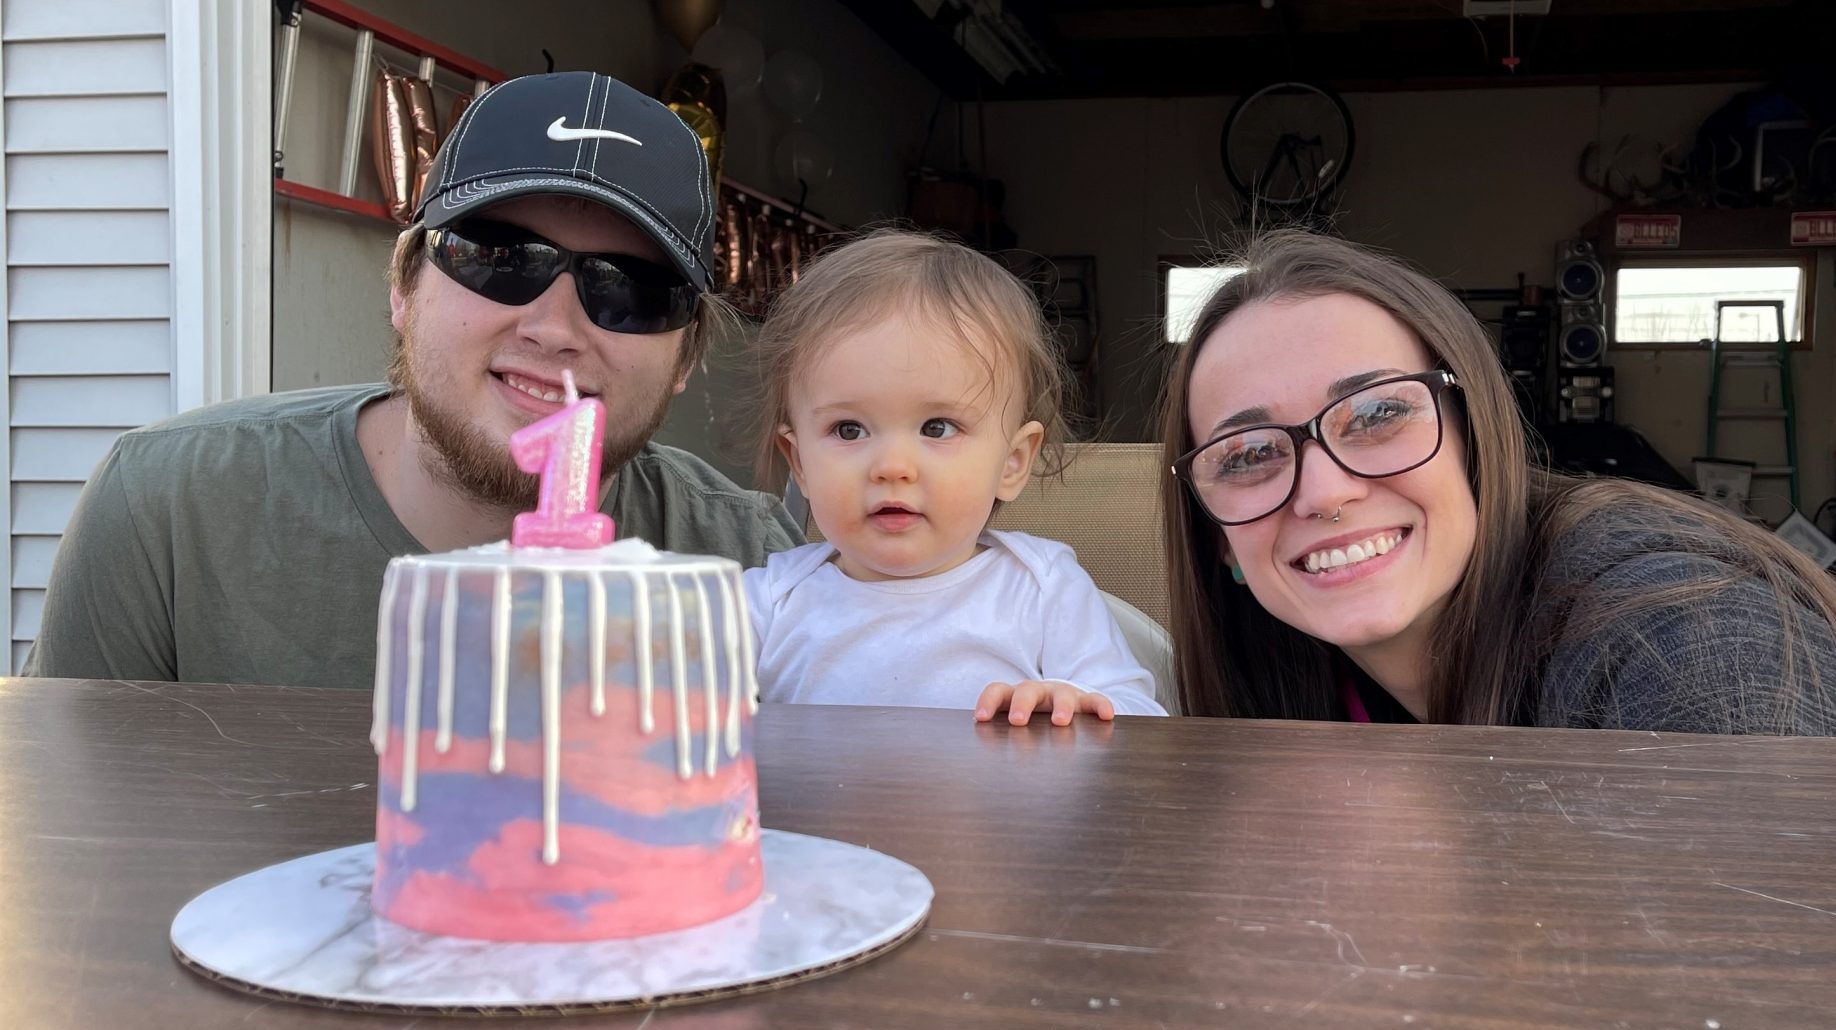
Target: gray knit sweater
x=1718, y=664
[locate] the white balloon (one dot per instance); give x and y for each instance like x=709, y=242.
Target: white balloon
x=736, y=52
x=793, y=83
x=802, y=157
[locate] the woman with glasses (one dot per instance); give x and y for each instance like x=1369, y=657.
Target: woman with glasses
x=1355, y=530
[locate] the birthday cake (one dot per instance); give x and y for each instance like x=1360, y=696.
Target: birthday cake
x=565, y=743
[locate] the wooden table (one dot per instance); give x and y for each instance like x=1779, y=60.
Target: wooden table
x=1150, y=873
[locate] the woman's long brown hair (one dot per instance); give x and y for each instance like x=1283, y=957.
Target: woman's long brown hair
x=1235, y=659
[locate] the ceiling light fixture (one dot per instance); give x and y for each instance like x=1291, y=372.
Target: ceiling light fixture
x=993, y=38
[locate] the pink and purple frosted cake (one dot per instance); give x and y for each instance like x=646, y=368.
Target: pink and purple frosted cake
x=565, y=742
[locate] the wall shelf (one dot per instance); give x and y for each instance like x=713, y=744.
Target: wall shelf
x=1705, y=231
x=393, y=35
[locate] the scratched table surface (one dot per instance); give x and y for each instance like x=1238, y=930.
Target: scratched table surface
x=1154, y=872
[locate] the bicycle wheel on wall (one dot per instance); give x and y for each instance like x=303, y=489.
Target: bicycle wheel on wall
x=1287, y=145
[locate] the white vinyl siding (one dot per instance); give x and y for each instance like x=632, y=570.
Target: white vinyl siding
x=63, y=182
x=69, y=238
x=84, y=125
x=43, y=509
x=88, y=241
x=87, y=68
x=69, y=293
x=91, y=348
x=58, y=21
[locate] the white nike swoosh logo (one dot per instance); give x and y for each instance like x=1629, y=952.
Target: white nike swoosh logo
x=562, y=134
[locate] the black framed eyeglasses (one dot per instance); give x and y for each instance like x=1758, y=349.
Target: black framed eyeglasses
x=1384, y=429
x=511, y=265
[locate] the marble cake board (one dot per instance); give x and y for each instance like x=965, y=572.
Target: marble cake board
x=303, y=931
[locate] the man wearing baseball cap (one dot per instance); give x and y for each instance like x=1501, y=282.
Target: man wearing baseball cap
x=567, y=228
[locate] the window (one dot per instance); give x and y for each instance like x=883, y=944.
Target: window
x=1185, y=289
x=1675, y=303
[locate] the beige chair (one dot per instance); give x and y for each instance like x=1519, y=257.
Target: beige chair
x=1151, y=645
x=1106, y=507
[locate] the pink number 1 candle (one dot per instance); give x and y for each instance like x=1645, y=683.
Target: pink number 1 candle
x=564, y=448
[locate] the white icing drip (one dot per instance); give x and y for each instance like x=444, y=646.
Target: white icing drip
x=678, y=680
x=640, y=603
x=710, y=679
x=729, y=611
x=500, y=667
x=736, y=628
x=748, y=662
x=551, y=717
x=731, y=639
x=449, y=615
x=411, y=689
x=596, y=639
x=385, y=623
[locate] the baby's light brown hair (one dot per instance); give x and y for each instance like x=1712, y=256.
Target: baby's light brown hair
x=889, y=271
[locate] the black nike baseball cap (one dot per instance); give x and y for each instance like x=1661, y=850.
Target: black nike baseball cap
x=580, y=134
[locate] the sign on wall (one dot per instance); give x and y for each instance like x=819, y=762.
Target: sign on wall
x=1654, y=232
x=1813, y=228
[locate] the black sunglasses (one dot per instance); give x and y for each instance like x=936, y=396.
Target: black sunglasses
x=511, y=265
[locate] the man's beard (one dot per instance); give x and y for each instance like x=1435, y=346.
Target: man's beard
x=466, y=458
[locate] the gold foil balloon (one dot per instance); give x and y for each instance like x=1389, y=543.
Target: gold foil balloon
x=424, y=132
x=697, y=83
x=392, y=144
x=699, y=98
x=713, y=140
x=460, y=103
x=404, y=135
x=688, y=19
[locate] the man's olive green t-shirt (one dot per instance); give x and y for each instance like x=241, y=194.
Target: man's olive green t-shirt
x=246, y=542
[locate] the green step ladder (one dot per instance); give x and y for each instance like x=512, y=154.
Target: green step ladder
x=1785, y=412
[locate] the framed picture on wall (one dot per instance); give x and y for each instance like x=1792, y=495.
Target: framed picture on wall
x=1725, y=482
x=1803, y=534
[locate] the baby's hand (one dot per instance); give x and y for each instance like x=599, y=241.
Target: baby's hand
x=1021, y=700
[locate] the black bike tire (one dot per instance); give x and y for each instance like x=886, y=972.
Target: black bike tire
x=1246, y=190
